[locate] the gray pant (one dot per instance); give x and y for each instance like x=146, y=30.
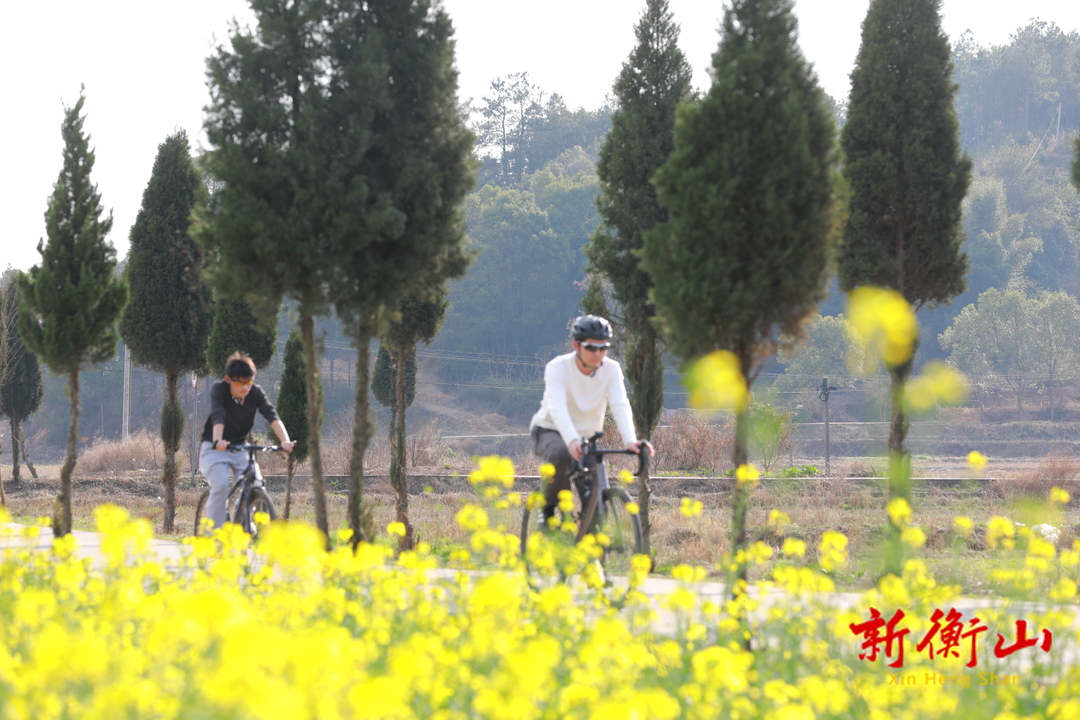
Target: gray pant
x=215, y=466
x=549, y=446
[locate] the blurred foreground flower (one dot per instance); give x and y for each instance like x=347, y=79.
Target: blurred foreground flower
x=690, y=507
x=976, y=460
x=396, y=528
x=716, y=382
x=747, y=476
x=883, y=321
x=496, y=470
x=832, y=551
x=939, y=384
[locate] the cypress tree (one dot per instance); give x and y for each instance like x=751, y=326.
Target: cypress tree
x=908, y=178
x=69, y=304
x=236, y=329
x=419, y=322
x=21, y=389
x=653, y=81
x=167, y=320
x=742, y=258
x=292, y=407
x=418, y=169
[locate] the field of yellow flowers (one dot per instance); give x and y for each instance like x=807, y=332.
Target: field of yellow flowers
x=289, y=630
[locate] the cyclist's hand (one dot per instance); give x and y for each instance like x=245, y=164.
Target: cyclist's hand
x=575, y=449
x=288, y=446
x=635, y=447
x=221, y=445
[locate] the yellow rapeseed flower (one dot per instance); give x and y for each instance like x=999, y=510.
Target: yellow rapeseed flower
x=716, y=382
x=746, y=476
x=913, y=535
x=778, y=520
x=632, y=508
x=396, y=528
x=1058, y=496
x=832, y=551
x=883, y=320
x=493, y=469
x=976, y=460
x=793, y=547
x=1000, y=531
x=939, y=384
x=690, y=507
x=899, y=511
x=963, y=525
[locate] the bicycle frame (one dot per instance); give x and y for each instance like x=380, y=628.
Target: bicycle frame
x=592, y=509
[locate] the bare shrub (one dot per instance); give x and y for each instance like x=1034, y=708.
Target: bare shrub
x=337, y=442
x=688, y=443
x=1053, y=470
x=426, y=447
x=141, y=451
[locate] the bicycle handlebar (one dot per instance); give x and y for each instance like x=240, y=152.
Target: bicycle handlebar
x=240, y=447
x=588, y=447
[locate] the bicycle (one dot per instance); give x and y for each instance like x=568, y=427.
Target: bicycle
x=604, y=507
x=252, y=498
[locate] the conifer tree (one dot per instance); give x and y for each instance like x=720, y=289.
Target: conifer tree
x=419, y=322
x=21, y=389
x=292, y=407
x=167, y=319
x=236, y=329
x=418, y=168
x=908, y=178
x=69, y=304
x=653, y=81
x=742, y=258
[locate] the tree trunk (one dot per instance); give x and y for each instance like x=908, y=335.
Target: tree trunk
x=360, y=520
x=25, y=453
x=172, y=429
x=3, y=497
x=741, y=495
x=899, y=465
x=645, y=375
x=288, y=484
x=314, y=419
x=15, y=451
x=62, y=506
x=399, y=476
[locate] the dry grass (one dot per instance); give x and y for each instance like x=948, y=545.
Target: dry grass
x=1052, y=471
x=141, y=452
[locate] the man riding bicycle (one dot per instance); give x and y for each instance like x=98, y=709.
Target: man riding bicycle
x=233, y=404
x=578, y=387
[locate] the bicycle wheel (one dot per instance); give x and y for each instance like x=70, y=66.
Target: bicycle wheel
x=622, y=528
x=254, y=502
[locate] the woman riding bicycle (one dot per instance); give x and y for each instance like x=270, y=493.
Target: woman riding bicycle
x=578, y=387
x=233, y=404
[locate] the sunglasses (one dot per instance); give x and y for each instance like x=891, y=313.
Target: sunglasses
x=593, y=347
x=241, y=382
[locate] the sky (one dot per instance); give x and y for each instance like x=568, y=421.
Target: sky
x=143, y=67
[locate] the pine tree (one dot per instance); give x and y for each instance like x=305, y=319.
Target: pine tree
x=21, y=389
x=167, y=320
x=236, y=329
x=292, y=407
x=69, y=304
x=653, y=81
x=908, y=178
x=742, y=258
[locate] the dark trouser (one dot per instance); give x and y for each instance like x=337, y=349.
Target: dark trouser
x=549, y=446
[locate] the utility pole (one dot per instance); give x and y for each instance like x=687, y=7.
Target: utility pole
x=194, y=425
x=823, y=395
x=125, y=423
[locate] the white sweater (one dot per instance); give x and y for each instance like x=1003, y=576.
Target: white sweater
x=574, y=402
